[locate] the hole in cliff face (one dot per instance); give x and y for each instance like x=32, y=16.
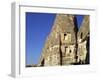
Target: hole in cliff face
x=70, y=51
x=65, y=34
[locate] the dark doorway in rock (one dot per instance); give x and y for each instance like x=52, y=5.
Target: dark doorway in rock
x=70, y=51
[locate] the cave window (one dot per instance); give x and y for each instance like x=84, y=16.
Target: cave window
x=65, y=34
x=70, y=51
x=67, y=37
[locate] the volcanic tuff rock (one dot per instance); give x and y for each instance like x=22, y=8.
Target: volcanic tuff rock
x=62, y=46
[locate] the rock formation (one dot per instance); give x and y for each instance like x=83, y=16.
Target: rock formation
x=83, y=36
x=66, y=45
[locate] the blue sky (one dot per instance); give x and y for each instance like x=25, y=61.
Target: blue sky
x=38, y=26
x=79, y=20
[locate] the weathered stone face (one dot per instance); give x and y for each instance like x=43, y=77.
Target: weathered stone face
x=82, y=51
x=65, y=45
x=68, y=56
x=53, y=56
x=82, y=40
